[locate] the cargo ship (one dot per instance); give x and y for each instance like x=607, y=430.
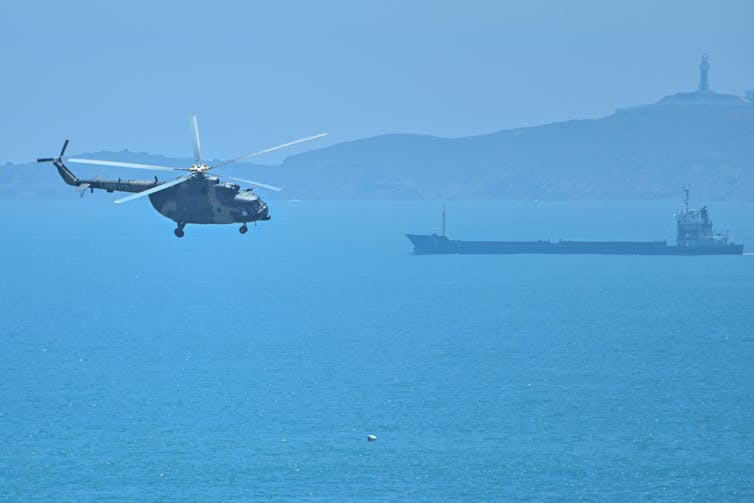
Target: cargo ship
x=695, y=236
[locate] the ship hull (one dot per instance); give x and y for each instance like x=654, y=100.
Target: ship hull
x=441, y=245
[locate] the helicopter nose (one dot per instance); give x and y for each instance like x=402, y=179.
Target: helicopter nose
x=263, y=211
x=260, y=211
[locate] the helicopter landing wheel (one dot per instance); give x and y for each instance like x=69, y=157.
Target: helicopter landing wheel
x=179, y=230
x=243, y=229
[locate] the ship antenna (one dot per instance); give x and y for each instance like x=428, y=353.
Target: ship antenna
x=443, y=220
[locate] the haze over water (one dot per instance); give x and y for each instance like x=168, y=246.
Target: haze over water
x=137, y=366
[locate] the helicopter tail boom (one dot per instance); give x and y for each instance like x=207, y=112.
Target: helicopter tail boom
x=66, y=174
x=95, y=183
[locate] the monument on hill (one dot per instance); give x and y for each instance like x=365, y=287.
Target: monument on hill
x=702, y=97
x=703, y=74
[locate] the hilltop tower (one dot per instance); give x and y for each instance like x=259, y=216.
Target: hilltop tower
x=703, y=72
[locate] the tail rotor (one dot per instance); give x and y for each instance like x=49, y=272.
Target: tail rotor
x=53, y=159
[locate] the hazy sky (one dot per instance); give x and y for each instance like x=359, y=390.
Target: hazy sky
x=114, y=75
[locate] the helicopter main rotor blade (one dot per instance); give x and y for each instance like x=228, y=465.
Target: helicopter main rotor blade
x=247, y=156
x=154, y=189
x=256, y=184
x=62, y=151
x=197, y=143
x=152, y=167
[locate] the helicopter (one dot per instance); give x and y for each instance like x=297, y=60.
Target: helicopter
x=194, y=198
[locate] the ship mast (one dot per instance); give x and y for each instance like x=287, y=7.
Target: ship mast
x=443, y=220
x=686, y=198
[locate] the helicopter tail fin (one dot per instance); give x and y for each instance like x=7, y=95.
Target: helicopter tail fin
x=64, y=172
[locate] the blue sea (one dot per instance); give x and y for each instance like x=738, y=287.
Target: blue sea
x=136, y=366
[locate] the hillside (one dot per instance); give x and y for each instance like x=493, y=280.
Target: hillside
x=642, y=153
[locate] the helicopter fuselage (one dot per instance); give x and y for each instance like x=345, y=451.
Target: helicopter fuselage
x=206, y=200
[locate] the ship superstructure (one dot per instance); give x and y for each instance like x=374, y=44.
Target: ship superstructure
x=694, y=227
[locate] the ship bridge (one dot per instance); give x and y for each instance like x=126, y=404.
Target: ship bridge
x=695, y=227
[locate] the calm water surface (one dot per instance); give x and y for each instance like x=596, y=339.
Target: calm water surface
x=137, y=366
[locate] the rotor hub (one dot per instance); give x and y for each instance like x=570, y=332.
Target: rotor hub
x=200, y=168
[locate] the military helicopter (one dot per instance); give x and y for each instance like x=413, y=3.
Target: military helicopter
x=194, y=198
